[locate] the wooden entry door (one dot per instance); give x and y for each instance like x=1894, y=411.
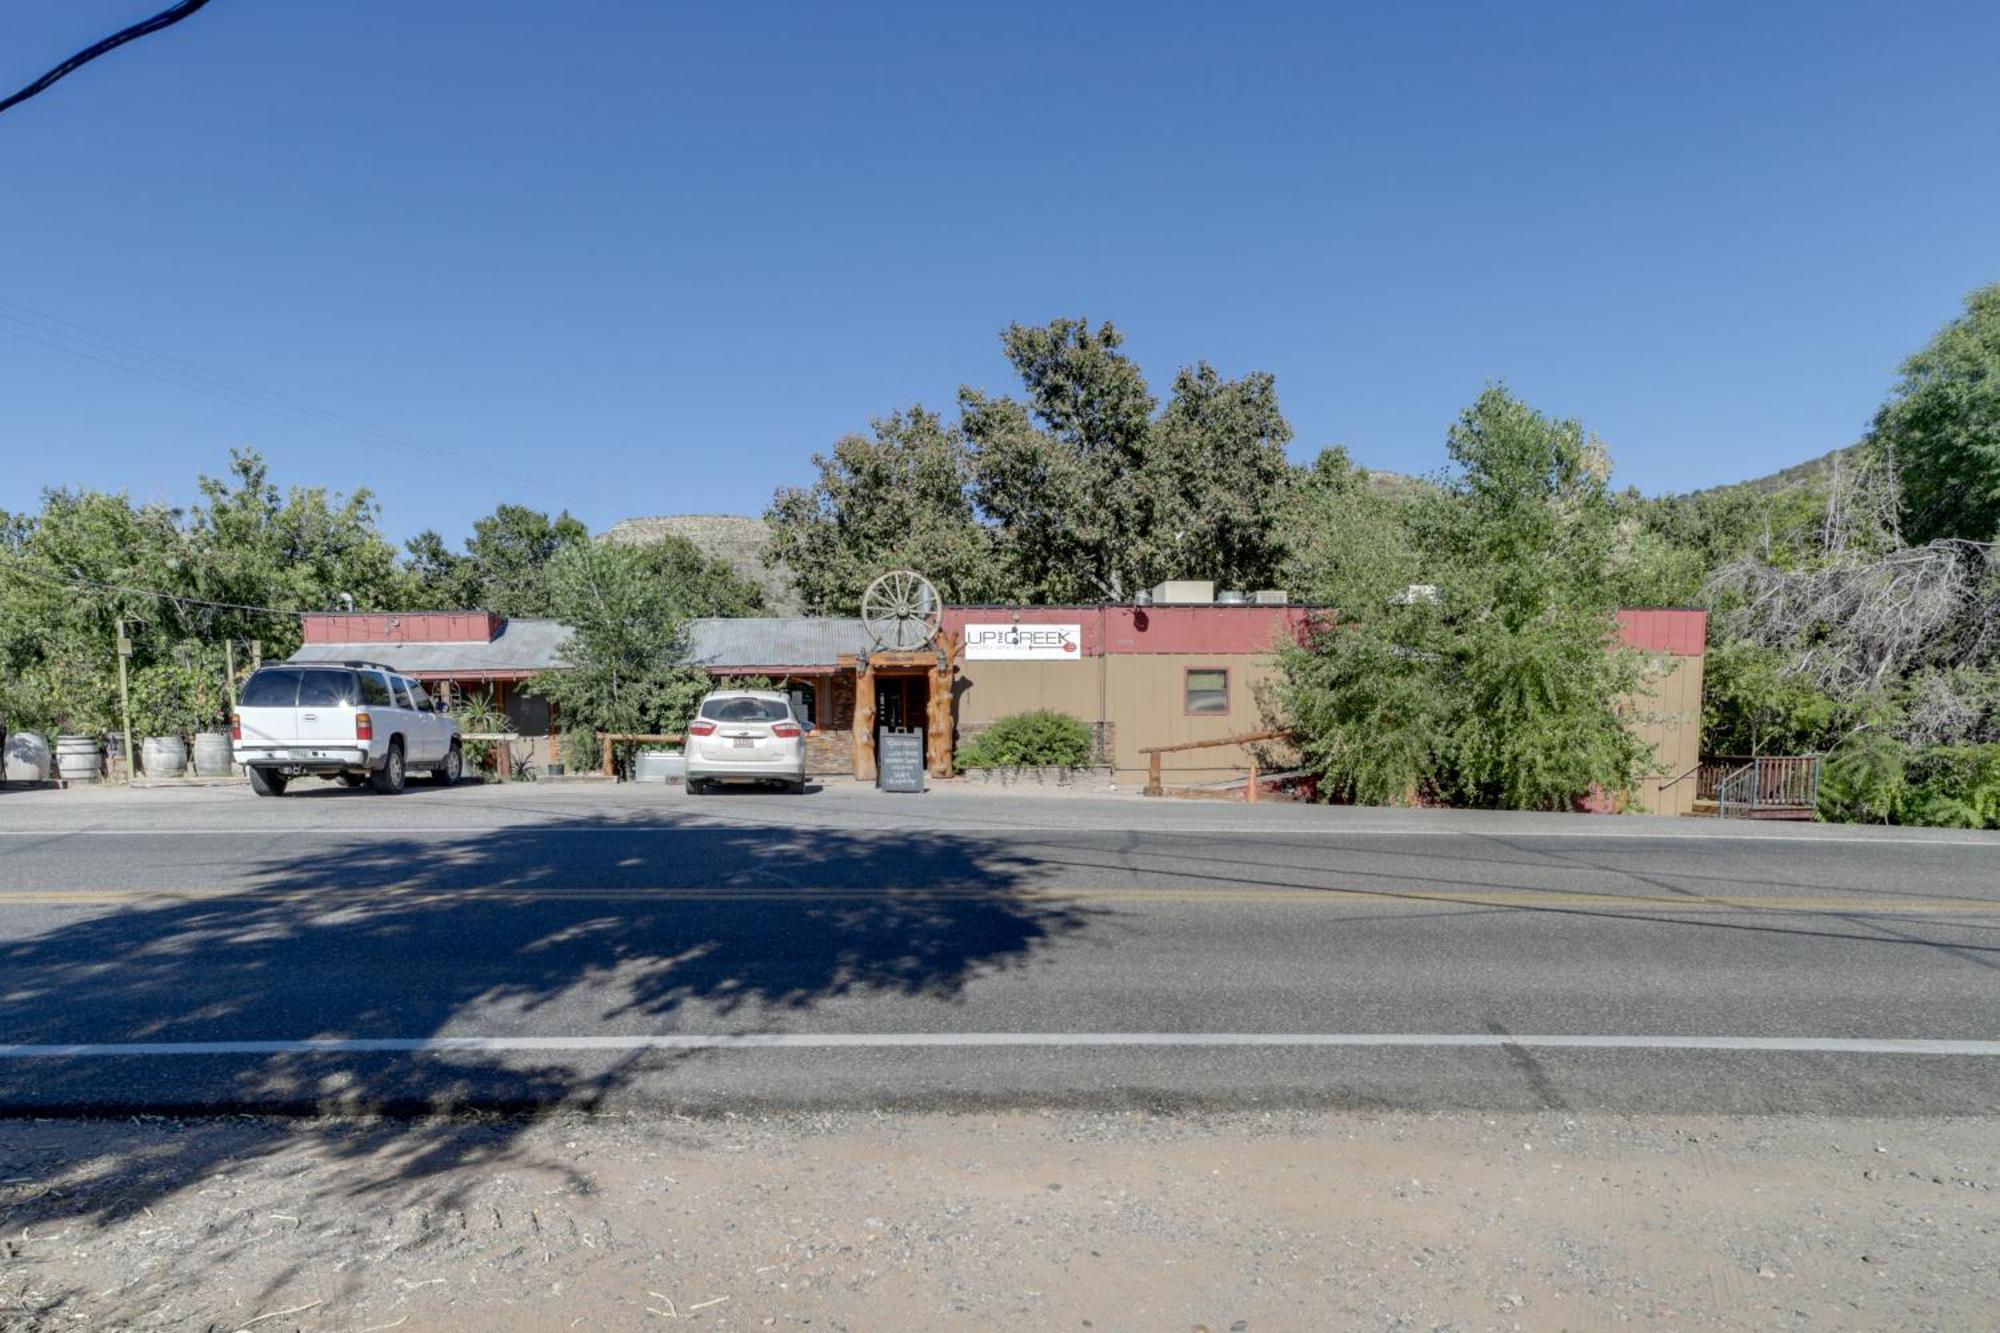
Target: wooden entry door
x=901, y=701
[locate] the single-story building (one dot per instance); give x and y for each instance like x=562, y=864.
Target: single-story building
x=464, y=652
x=1139, y=677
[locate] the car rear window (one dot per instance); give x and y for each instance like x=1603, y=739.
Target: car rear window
x=324, y=689
x=746, y=710
x=271, y=688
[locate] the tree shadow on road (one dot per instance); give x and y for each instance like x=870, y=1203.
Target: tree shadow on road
x=576, y=927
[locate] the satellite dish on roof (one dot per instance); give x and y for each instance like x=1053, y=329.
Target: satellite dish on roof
x=901, y=612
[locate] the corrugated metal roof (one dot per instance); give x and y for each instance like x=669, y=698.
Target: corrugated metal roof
x=773, y=641
x=521, y=645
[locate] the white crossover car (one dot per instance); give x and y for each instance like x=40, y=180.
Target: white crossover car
x=746, y=736
x=358, y=721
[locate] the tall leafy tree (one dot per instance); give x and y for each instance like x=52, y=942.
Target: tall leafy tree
x=626, y=608
x=1346, y=541
x=302, y=549
x=900, y=497
x=1093, y=496
x=504, y=566
x=1214, y=466
x=1942, y=426
x=1060, y=473
x=238, y=566
x=1497, y=679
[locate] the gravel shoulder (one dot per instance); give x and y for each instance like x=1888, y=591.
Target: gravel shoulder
x=1057, y=1220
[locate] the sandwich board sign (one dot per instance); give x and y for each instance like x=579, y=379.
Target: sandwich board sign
x=899, y=759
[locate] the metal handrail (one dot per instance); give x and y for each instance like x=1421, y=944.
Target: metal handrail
x=1732, y=780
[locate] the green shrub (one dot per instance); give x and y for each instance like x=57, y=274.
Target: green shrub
x=475, y=713
x=1955, y=786
x=1041, y=739
x=581, y=750
x=1865, y=780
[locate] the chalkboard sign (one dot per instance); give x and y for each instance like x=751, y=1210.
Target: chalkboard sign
x=899, y=759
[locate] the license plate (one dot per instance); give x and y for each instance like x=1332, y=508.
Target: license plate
x=743, y=742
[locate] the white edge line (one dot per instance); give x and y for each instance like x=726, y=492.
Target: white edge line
x=1184, y=830
x=889, y=1040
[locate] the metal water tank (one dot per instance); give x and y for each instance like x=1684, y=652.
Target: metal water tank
x=659, y=766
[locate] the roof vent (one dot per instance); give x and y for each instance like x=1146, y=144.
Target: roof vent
x=1185, y=592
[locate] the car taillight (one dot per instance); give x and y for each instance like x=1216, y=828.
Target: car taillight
x=364, y=727
x=699, y=728
x=236, y=726
x=785, y=730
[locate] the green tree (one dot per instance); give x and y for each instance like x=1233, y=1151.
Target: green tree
x=1216, y=470
x=1942, y=426
x=1093, y=497
x=1497, y=679
x=899, y=498
x=505, y=564
x=1346, y=541
x=626, y=608
x=305, y=549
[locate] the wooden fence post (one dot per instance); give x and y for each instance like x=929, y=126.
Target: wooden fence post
x=607, y=756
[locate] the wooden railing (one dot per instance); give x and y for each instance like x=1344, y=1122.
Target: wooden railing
x=624, y=736
x=1751, y=785
x=1156, y=787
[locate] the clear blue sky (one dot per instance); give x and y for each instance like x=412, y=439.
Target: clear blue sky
x=647, y=257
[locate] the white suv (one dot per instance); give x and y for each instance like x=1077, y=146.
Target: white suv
x=358, y=721
x=746, y=736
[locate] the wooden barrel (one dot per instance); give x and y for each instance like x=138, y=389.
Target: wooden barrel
x=78, y=758
x=164, y=756
x=212, y=756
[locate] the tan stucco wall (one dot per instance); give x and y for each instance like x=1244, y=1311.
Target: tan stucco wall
x=1144, y=700
x=1670, y=717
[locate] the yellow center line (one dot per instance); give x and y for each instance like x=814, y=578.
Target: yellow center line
x=335, y=897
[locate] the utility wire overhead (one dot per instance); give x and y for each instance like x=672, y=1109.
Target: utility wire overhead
x=18, y=566
x=166, y=18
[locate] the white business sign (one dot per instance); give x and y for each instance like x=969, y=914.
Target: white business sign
x=1023, y=643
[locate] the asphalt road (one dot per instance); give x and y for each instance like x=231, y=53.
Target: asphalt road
x=634, y=947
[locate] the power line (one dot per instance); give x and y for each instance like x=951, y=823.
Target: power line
x=166, y=18
x=78, y=581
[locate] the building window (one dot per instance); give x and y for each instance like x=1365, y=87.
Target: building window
x=1207, y=691
x=805, y=700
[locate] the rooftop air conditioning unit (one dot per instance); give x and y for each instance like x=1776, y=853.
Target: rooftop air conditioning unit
x=1185, y=592
x=1232, y=597
x=1270, y=597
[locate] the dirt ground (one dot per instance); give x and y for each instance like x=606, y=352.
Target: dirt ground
x=1044, y=1221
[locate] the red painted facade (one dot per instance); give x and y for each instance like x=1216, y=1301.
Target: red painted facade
x=1682, y=633
x=1239, y=630
x=1219, y=630
x=401, y=626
